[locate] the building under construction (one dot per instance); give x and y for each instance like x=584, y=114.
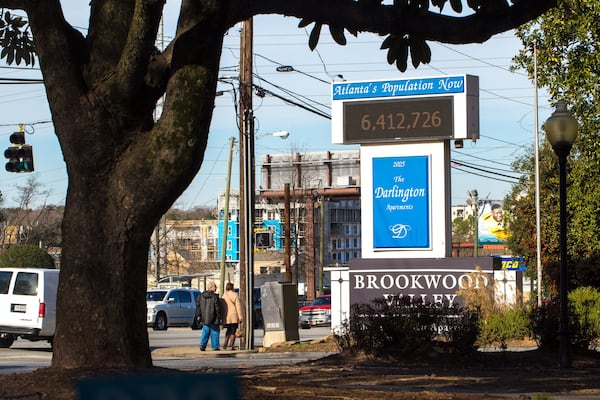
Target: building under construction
x=324, y=203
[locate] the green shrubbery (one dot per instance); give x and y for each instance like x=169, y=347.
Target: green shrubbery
x=397, y=326
x=504, y=325
x=584, y=320
x=25, y=256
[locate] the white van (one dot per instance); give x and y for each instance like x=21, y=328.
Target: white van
x=27, y=304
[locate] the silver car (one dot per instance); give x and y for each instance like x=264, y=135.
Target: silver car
x=171, y=307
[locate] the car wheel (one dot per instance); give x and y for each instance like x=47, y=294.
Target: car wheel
x=6, y=341
x=160, y=324
x=304, y=326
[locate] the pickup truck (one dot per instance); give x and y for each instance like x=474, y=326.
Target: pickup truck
x=317, y=313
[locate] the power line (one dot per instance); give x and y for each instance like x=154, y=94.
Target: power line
x=483, y=170
x=483, y=176
x=302, y=106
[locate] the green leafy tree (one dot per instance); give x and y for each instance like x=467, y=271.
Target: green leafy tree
x=126, y=169
x=462, y=229
x=567, y=40
x=26, y=256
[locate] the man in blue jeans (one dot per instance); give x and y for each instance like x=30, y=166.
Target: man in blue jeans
x=208, y=307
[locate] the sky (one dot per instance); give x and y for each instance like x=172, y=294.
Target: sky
x=506, y=107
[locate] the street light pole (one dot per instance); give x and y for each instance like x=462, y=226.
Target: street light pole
x=474, y=202
x=561, y=132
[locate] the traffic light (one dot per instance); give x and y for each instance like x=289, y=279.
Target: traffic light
x=12, y=153
x=262, y=240
x=26, y=157
x=19, y=155
x=18, y=138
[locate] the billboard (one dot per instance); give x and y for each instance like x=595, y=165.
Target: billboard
x=492, y=226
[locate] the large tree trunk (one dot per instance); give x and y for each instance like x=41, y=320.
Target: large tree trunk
x=101, y=307
x=125, y=169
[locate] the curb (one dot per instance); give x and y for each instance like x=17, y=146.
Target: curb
x=194, y=352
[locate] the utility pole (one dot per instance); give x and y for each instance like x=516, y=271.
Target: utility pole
x=287, y=234
x=246, y=182
x=321, y=242
x=226, y=218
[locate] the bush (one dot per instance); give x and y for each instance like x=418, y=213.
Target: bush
x=584, y=320
x=584, y=306
x=26, y=256
x=399, y=326
x=504, y=325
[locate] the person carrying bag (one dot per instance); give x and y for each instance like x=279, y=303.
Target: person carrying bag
x=233, y=315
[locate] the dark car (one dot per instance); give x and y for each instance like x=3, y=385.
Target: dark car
x=256, y=307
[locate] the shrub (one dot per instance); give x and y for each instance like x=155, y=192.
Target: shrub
x=400, y=326
x=584, y=307
x=26, y=256
x=584, y=320
x=544, y=324
x=503, y=325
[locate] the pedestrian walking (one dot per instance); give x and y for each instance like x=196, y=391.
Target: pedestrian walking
x=233, y=315
x=208, y=307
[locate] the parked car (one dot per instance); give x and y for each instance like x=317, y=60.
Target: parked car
x=171, y=307
x=317, y=313
x=257, y=317
x=27, y=304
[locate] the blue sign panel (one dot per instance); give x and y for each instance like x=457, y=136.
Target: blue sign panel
x=401, y=202
x=401, y=87
x=511, y=263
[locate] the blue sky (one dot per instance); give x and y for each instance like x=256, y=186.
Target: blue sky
x=506, y=106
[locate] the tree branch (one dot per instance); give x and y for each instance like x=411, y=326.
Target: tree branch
x=364, y=16
x=60, y=48
x=140, y=45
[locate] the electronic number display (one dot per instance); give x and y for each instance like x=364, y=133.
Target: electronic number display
x=407, y=119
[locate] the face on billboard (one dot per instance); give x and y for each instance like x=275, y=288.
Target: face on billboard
x=492, y=225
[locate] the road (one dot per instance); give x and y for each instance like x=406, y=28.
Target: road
x=25, y=356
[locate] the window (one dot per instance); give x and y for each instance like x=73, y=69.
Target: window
x=26, y=284
x=347, y=243
x=5, y=281
x=184, y=297
x=156, y=295
x=356, y=243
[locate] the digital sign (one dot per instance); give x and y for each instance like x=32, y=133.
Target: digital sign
x=393, y=111
x=404, y=119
